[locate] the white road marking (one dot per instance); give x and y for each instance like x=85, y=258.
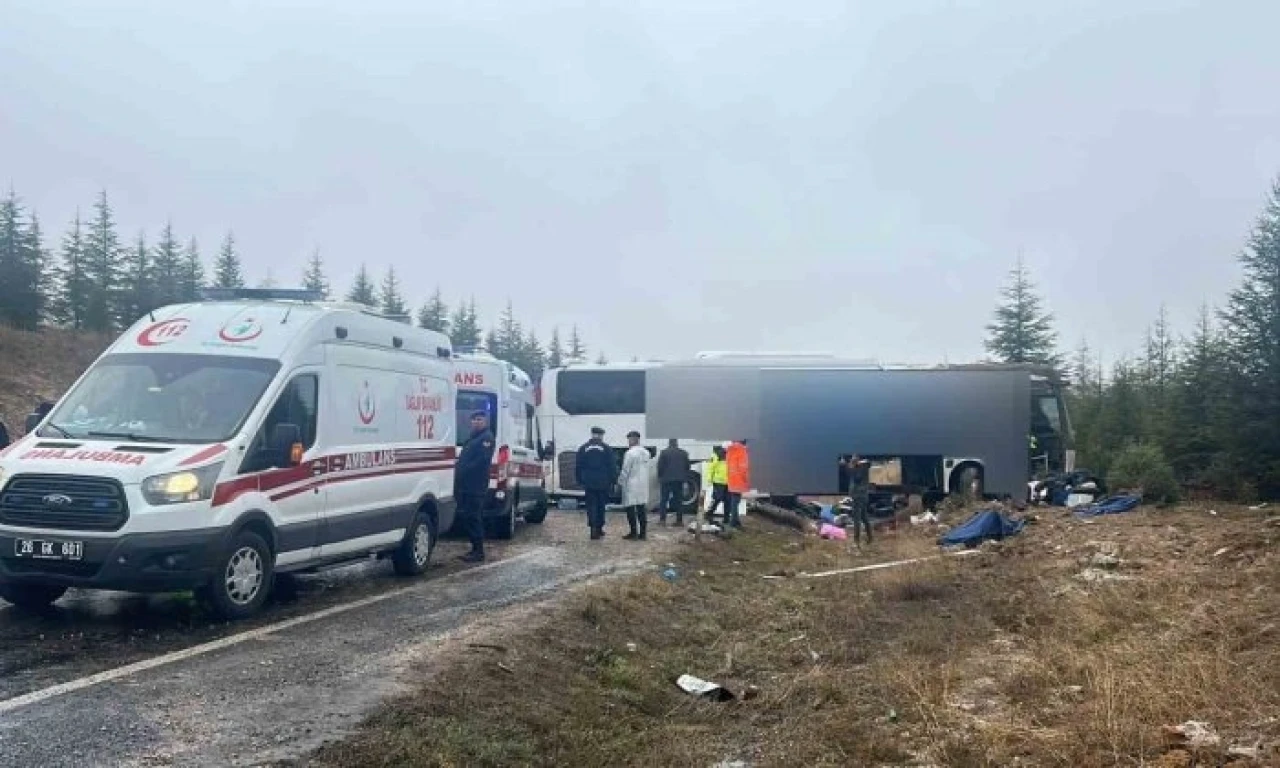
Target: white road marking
x=128, y=670
x=878, y=566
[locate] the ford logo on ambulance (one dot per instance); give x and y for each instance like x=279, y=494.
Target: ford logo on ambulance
x=56, y=500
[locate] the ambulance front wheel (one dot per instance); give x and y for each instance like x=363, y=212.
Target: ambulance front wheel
x=414, y=553
x=31, y=597
x=243, y=577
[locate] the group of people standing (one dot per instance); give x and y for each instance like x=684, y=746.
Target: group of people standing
x=598, y=472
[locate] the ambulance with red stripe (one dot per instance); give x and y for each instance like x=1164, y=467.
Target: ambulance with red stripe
x=506, y=393
x=217, y=444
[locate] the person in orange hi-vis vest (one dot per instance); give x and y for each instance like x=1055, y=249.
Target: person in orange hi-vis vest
x=739, y=466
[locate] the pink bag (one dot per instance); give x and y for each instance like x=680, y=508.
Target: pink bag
x=829, y=531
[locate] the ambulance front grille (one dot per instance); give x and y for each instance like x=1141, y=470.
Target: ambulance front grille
x=64, y=502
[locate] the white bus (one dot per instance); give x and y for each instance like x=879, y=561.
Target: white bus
x=579, y=396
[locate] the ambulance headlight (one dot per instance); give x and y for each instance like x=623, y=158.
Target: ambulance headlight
x=180, y=487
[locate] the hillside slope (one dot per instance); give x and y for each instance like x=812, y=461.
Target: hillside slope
x=40, y=365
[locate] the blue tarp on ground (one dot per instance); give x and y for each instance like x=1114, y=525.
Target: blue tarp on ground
x=987, y=524
x=1112, y=505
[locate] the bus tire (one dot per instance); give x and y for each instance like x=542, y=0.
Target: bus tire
x=690, y=491
x=969, y=484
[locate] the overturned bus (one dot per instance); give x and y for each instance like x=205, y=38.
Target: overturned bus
x=983, y=429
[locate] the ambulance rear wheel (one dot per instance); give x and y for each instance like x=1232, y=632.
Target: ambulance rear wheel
x=31, y=597
x=538, y=514
x=504, y=526
x=414, y=553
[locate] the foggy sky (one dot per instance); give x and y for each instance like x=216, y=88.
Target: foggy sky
x=672, y=177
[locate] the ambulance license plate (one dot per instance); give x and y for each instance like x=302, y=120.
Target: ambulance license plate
x=39, y=549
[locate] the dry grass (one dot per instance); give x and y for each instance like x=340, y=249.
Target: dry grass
x=36, y=365
x=1004, y=659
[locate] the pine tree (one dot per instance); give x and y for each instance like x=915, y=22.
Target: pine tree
x=577, y=350
x=555, y=351
x=1161, y=352
x=362, y=289
x=1022, y=331
x=227, y=270
x=167, y=269
x=507, y=337
x=434, y=315
x=532, y=358
x=1195, y=442
x=72, y=296
x=192, y=281
x=21, y=266
x=138, y=298
x=492, y=346
x=1251, y=323
x=465, y=325
x=102, y=309
x=602, y=360
x=389, y=297
x=314, y=278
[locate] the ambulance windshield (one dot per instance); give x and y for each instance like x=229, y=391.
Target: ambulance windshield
x=169, y=398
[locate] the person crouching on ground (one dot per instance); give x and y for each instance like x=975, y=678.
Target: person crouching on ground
x=471, y=483
x=596, y=471
x=634, y=480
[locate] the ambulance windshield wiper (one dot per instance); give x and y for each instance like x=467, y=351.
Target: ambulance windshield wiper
x=62, y=432
x=127, y=436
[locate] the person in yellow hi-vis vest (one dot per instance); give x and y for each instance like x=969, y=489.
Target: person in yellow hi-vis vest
x=717, y=473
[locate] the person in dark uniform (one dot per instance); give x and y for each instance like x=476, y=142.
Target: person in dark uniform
x=860, y=495
x=596, y=472
x=471, y=483
x=4, y=435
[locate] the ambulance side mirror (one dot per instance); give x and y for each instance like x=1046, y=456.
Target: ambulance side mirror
x=286, y=445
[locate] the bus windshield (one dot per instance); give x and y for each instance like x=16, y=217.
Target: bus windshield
x=164, y=398
x=593, y=392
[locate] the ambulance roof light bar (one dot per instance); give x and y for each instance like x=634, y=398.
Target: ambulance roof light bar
x=261, y=294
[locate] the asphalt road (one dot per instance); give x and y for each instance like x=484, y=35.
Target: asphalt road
x=127, y=680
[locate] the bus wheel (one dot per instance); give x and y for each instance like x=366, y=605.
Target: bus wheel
x=969, y=484
x=690, y=490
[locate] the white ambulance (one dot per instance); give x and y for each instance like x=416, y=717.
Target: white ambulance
x=506, y=394
x=216, y=444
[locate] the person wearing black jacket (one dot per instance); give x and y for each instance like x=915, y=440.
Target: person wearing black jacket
x=596, y=472
x=471, y=483
x=4, y=436
x=673, y=473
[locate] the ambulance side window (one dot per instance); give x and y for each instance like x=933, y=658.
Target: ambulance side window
x=298, y=405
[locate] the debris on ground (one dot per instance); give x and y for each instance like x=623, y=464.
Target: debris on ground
x=832, y=532
x=696, y=686
x=1112, y=505
x=670, y=573
x=987, y=525
x=1193, y=734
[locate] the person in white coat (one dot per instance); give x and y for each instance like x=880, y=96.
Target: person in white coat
x=634, y=479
